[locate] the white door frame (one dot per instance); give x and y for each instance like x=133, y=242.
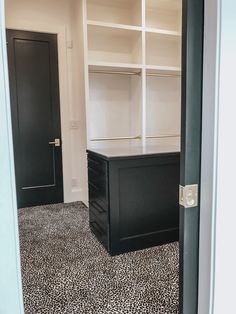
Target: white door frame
x=11, y=298
x=218, y=210
x=217, y=258
x=224, y=208
x=209, y=157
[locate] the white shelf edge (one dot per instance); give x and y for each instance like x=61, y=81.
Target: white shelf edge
x=162, y=32
x=115, y=65
x=114, y=25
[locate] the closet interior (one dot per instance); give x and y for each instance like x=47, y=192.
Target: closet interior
x=132, y=72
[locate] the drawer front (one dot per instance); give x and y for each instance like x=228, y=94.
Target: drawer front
x=98, y=194
x=100, y=231
x=100, y=212
x=98, y=180
x=98, y=198
x=97, y=164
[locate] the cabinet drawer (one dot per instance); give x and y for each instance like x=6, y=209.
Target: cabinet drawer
x=99, y=230
x=99, y=212
x=98, y=193
x=97, y=178
x=97, y=164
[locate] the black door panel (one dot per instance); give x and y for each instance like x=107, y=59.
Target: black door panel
x=34, y=86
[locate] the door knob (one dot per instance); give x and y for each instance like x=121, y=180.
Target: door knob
x=57, y=142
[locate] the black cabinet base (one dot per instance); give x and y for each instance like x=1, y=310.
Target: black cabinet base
x=134, y=201
x=146, y=241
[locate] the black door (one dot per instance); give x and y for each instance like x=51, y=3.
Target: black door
x=34, y=89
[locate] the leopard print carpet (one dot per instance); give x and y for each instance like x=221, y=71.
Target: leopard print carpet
x=66, y=270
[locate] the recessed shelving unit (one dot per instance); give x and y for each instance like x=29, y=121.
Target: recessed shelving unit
x=132, y=71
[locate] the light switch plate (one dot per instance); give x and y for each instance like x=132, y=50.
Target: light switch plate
x=74, y=124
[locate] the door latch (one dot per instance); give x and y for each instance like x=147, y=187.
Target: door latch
x=188, y=196
x=57, y=142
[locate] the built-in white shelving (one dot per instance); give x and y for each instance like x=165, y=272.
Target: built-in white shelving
x=132, y=71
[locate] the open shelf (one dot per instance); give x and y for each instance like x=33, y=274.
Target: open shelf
x=163, y=101
x=114, y=45
x=113, y=66
x=126, y=12
x=164, y=14
x=114, y=105
x=163, y=50
x=113, y=25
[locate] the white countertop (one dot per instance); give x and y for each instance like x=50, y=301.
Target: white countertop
x=135, y=150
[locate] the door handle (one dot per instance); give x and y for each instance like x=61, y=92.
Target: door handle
x=56, y=143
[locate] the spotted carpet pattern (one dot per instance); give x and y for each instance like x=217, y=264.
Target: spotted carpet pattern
x=65, y=269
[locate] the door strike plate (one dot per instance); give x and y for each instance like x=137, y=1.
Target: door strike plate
x=188, y=196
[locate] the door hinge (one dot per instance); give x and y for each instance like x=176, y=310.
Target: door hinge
x=188, y=196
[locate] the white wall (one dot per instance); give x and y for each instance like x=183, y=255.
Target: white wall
x=64, y=16
x=218, y=210
x=11, y=297
x=225, y=210
x=209, y=157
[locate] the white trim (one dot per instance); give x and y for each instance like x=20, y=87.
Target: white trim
x=11, y=297
x=209, y=155
x=224, y=271
x=61, y=32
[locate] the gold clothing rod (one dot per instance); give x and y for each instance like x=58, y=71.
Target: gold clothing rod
x=114, y=72
x=163, y=136
x=116, y=138
x=163, y=75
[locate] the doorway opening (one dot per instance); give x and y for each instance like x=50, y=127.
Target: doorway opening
x=124, y=55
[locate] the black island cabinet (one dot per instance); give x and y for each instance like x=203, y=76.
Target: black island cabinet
x=133, y=197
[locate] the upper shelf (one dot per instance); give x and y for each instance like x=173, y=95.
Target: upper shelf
x=126, y=12
x=113, y=66
x=164, y=14
x=108, y=44
x=163, y=50
x=114, y=25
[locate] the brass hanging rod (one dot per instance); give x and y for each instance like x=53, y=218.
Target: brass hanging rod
x=138, y=137
x=163, y=136
x=163, y=75
x=132, y=73
x=118, y=138
x=115, y=72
